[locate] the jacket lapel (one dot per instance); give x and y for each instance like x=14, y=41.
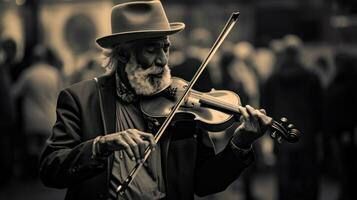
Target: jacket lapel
x=107, y=106
x=107, y=92
x=164, y=144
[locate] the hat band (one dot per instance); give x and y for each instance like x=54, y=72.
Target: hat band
x=148, y=27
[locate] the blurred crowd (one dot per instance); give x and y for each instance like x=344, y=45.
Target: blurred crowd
x=318, y=97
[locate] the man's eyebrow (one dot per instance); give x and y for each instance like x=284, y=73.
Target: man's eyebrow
x=159, y=44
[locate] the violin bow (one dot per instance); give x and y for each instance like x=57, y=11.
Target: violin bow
x=222, y=36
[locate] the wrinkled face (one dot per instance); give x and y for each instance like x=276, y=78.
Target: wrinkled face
x=147, y=69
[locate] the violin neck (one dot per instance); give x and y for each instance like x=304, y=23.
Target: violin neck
x=220, y=105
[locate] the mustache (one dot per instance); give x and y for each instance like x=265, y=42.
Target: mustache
x=147, y=81
x=154, y=70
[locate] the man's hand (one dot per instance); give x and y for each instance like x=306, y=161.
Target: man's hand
x=254, y=123
x=132, y=141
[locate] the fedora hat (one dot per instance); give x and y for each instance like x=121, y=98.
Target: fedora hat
x=138, y=20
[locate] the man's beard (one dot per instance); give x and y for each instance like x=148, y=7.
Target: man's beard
x=148, y=81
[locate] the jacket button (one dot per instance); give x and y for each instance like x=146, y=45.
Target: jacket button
x=71, y=171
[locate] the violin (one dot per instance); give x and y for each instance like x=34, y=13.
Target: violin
x=213, y=111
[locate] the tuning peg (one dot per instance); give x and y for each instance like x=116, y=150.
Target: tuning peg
x=291, y=126
x=273, y=135
x=294, y=135
x=284, y=120
x=295, y=132
x=280, y=140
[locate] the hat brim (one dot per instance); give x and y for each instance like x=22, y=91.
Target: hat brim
x=118, y=38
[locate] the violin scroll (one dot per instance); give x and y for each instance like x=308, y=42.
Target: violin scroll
x=284, y=130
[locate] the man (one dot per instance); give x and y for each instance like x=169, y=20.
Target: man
x=101, y=133
x=341, y=132
x=38, y=87
x=295, y=92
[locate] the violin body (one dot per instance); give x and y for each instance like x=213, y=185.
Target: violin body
x=213, y=111
x=193, y=109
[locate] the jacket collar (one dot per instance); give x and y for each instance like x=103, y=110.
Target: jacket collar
x=107, y=100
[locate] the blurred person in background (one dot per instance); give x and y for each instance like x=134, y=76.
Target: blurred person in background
x=90, y=70
x=7, y=111
x=340, y=121
x=243, y=78
x=38, y=87
x=101, y=133
x=243, y=70
x=277, y=47
x=228, y=82
x=90, y=67
x=294, y=92
x=197, y=50
x=323, y=69
x=264, y=61
x=177, y=51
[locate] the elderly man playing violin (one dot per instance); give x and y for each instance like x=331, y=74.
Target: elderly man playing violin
x=101, y=133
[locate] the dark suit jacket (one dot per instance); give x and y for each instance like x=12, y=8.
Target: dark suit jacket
x=189, y=166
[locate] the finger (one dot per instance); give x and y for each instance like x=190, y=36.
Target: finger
x=265, y=122
x=241, y=118
x=123, y=145
x=264, y=119
x=133, y=145
x=263, y=111
x=142, y=146
x=139, y=139
x=244, y=112
x=148, y=137
x=252, y=112
x=254, y=116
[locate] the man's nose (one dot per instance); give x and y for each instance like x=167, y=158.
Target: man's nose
x=161, y=59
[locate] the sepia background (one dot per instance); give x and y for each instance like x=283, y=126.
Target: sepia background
x=294, y=58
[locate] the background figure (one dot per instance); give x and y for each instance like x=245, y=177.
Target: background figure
x=323, y=69
x=238, y=75
x=245, y=76
x=340, y=122
x=38, y=87
x=227, y=81
x=90, y=70
x=264, y=61
x=89, y=66
x=243, y=70
x=277, y=47
x=200, y=39
x=7, y=111
x=295, y=93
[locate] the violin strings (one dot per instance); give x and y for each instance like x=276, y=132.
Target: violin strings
x=212, y=99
